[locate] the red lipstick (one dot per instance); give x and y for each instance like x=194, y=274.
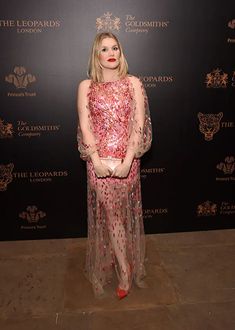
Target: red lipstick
x=112, y=60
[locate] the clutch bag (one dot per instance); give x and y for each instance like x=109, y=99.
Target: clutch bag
x=111, y=162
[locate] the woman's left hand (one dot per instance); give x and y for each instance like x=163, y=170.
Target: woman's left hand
x=121, y=171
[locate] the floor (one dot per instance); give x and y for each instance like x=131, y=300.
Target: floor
x=190, y=277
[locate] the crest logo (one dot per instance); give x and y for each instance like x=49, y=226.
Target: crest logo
x=206, y=209
x=228, y=166
x=209, y=124
x=6, y=129
x=20, y=78
x=216, y=79
x=5, y=175
x=32, y=214
x=108, y=22
x=231, y=24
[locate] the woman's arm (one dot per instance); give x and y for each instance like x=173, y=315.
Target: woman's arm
x=140, y=137
x=86, y=140
x=135, y=139
x=87, y=144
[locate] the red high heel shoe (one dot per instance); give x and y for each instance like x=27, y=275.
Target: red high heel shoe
x=121, y=293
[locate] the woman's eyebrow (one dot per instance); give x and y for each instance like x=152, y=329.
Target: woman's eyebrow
x=115, y=45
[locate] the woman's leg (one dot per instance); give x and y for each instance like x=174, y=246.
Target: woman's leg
x=110, y=193
x=117, y=234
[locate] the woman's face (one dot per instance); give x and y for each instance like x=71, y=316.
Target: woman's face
x=109, y=53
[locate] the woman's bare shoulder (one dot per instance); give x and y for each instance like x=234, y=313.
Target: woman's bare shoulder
x=84, y=84
x=83, y=87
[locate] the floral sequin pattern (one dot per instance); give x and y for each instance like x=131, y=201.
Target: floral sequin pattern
x=110, y=113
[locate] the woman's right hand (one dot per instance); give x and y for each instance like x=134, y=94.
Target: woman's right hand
x=102, y=170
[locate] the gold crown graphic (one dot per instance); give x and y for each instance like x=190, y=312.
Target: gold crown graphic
x=209, y=124
x=228, y=166
x=6, y=129
x=32, y=214
x=216, y=79
x=207, y=208
x=20, y=79
x=5, y=175
x=231, y=24
x=106, y=22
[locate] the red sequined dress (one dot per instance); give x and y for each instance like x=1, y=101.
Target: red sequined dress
x=118, y=119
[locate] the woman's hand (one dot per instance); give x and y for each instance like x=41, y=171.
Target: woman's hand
x=122, y=170
x=102, y=170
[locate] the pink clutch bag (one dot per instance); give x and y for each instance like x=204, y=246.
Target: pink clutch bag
x=111, y=162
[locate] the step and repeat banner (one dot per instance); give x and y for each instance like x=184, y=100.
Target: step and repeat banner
x=184, y=53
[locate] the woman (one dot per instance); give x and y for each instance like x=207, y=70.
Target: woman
x=114, y=131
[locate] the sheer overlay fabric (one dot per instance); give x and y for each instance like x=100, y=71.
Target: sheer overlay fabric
x=118, y=120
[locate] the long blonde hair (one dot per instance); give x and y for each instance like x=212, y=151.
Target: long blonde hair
x=94, y=68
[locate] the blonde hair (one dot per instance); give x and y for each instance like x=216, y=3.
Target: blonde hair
x=94, y=67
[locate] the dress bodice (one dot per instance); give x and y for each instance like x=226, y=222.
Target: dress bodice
x=110, y=106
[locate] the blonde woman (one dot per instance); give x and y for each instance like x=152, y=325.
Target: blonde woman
x=114, y=131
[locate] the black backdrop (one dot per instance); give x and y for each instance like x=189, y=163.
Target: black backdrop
x=184, y=53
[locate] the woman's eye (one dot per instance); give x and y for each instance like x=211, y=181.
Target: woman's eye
x=103, y=49
x=115, y=48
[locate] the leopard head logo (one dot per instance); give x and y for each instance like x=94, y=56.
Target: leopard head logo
x=5, y=175
x=209, y=124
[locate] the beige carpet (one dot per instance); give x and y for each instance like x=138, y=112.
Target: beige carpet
x=190, y=276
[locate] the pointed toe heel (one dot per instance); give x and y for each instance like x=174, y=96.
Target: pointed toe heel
x=121, y=293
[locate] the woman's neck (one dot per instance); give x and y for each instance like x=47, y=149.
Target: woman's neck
x=110, y=75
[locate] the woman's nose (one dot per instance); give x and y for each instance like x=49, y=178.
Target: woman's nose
x=111, y=52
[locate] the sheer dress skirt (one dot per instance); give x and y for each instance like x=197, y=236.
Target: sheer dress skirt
x=115, y=228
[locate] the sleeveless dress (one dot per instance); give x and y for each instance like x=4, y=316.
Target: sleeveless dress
x=117, y=121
